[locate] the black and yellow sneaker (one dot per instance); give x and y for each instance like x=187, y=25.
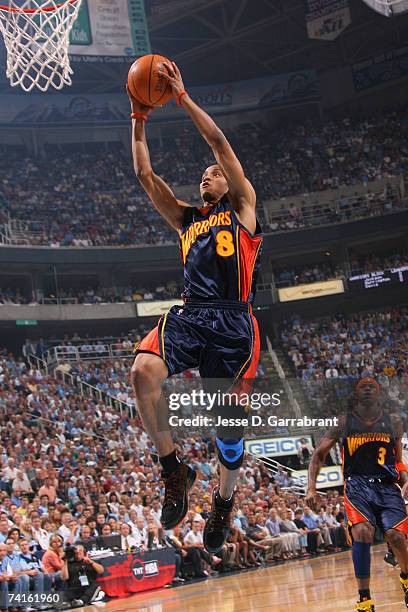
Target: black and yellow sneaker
x=177, y=485
x=217, y=527
x=367, y=605
x=404, y=582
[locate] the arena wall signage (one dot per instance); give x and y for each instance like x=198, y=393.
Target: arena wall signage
x=155, y=309
x=329, y=477
x=389, y=66
x=326, y=19
x=313, y=290
x=275, y=447
x=276, y=90
x=373, y=280
x=114, y=28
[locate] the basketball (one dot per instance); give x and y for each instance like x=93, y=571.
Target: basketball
x=144, y=82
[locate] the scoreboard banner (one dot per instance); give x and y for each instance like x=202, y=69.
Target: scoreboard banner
x=374, y=280
x=110, y=28
x=326, y=19
x=312, y=290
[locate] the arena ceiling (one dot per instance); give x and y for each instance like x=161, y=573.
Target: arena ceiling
x=215, y=41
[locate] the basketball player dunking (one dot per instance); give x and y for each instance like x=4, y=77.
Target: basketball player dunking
x=372, y=465
x=215, y=330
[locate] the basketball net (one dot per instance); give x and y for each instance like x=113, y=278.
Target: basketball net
x=36, y=36
x=388, y=7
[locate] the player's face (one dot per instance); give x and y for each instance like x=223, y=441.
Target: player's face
x=367, y=392
x=213, y=185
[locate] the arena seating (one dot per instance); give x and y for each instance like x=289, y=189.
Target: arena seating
x=90, y=460
x=93, y=199
x=328, y=355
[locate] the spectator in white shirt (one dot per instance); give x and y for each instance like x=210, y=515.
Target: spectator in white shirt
x=40, y=536
x=128, y=541
x=21, y=483
x=140, y=533
x=155, y=511
x=10, y=471
x=69, y=530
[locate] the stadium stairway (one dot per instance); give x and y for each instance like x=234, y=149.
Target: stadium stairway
x=295, y=383
x=19, y=232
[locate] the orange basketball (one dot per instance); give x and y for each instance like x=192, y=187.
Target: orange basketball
x=144, y=82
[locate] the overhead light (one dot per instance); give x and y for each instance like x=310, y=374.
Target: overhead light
x=388, y=7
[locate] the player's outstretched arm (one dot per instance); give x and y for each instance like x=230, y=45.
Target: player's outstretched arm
x=240, y=189
x=316, y=463
x=160, y=194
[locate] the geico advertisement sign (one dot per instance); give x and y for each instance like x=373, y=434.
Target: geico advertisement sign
x=275, y=447
x=329, y=477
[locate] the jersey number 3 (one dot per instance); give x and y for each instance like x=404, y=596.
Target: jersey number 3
x=225, y=243
x=381, y=455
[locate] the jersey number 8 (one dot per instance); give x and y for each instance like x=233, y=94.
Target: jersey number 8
x=225, y=243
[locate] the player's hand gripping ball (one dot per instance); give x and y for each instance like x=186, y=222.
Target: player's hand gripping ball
x=146, y=84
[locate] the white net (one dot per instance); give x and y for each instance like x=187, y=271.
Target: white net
x=36, y=36
x=388, y=7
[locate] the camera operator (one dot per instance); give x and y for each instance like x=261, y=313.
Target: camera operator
x=80, y=572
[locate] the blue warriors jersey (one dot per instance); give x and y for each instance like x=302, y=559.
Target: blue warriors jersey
x=221, y=257
x=369, y=450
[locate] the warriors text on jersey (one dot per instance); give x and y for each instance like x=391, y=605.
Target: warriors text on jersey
x=369, y=450
x=221, y=258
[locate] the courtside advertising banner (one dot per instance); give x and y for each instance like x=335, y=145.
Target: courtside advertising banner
x=312, y=290
x=326, y=19
x=329, y=477
x=276, y=447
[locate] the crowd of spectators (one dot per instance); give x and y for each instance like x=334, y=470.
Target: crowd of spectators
x=361, y=264
x=350, y=346
x=335, y=210
x=91, y=295
x=307, y=274
x=286, y=277
x=13, y=296
x=327, y=356
x=93, y=199
x=72, y=468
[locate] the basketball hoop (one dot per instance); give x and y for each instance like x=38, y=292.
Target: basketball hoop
x=388, y=8
x=36, y=36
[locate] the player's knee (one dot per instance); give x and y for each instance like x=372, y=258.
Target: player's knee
x=363, y=532
x=230, y=452
x=147, y=373
x=395, y=537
